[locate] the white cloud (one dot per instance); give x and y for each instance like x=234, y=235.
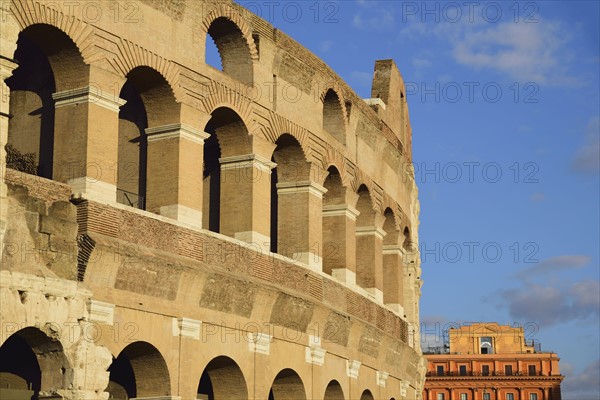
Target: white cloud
x=375, y=19
x=535, y=52
x=554, y=264
x=421, y=63
x=587, y=159
x=547, y=306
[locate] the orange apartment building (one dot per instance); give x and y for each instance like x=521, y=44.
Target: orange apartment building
x=488, y=361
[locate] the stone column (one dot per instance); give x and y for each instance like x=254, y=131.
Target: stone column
x=369, y=257
x=299, y=217
x=393, y=270
x=7, y=66
x=411, y=285
x=174, y=177
x=86, y=135
x=246, y=199
x=339, y=242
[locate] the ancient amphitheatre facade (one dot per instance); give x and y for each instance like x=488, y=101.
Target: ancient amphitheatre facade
x=174, y=231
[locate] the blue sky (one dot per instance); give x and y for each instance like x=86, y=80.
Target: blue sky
x=504, y=106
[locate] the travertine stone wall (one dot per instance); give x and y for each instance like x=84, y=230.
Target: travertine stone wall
x=256, y=223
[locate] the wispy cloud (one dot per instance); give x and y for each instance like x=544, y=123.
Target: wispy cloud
x=547, y=306
x=582, y=386
x=421, y=63
x=554, y=264
x=376, y=19
x=362, y=79
x=537, y=197
x=587, y=159
x=527, y=52
x=535, y=52
x=325, y=46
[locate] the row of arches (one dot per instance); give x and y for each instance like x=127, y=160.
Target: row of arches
x=223, y=179
x=33, y=365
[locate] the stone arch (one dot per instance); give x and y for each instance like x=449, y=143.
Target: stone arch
x=407, y=240
x=219, y=95
x=234, y=48
x=79, y=32
x=33, y=364
x=150, y=106
x=391, y=228
x=30, y=144
x=393, y=284
x=291, y=166
x=367, y=395
x=287, y=385
x=332, y=157
x=225, y=11
x=334, y=391
x=139, y=371
x=335, y=223
x=49, y=61
x=131, y=56
x=229, y=137
x=334, y=119
x=369, y=244
x=223, y=379
x=365, y=206
x=279, y=126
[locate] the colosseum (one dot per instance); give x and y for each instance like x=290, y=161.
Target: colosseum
x=171, y=230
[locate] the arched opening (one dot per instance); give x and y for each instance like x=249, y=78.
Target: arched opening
x=139, y=371
x=290, y=200
x=43, y=54
x=232, y=48
x=408, y=244
x=334, y=222
x=333, y=116
x=287, y=386
x=392, y=262
x=367, y=395
x=149, y=103
x=334, y=391
x=369, y=244
x=222, y=379
x=30, y=363
x=211, y=203
x=222, y=201
x=274, y=211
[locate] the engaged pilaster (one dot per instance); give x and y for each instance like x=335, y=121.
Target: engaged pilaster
x=246, y=198
x=86, y=142
x=300, y=221
x=174, y=179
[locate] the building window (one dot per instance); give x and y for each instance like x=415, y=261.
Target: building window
x=462, y=370
x=486, y=396
x=440, y=370
x=533, y=396
x=510, y=396
x=440, y=396
x=532, y=370
x=508, y=370
x=463, y=396
x=485, y=344
x=485, y=370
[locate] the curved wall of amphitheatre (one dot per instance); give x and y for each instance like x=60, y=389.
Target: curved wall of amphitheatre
x=175, y=231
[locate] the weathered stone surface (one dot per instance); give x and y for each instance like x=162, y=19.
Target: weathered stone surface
x=228, y=295
x=292, y=312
